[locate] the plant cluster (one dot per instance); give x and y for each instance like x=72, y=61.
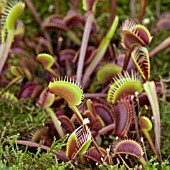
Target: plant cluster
x=96, y=91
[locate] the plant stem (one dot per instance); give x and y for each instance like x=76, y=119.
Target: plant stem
x=133, y=8
x=143, y=5
x=101, y=51
x=34, y=11
x=78, y=115
x=148, y=137
x=60, y=154
x=83, y=49
x=94, y=95
x=10, y=84
x=142, y=160
x=112, y=10
x=106, y=129
x=164, y=44
x=150, y=90
x=6, y=48
x=56, y=122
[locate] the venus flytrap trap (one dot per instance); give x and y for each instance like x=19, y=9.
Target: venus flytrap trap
x=124, y=84
x=127, y=147
x=107, y=71
x=71, y=91
x=134, y=34
x=11, y=14
x=37, y=134
x=94, y=155
x=47, y=61
x=9, y=96
x=57, y=23
x=124, y=112
x=140, y=57
x=79, y=141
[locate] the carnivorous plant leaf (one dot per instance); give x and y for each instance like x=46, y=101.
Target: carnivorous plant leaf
x=37, y=134
x=150, y=90
x=67, y=124
x=145, y=123
x=11, y=14
x=17, y=72
x=107, y=71
x=101, y=50
x=46, y=60
x=78, y=142
x=68, y=89
x=94, y=155
x=127, y=147
x=46, y=98
x=124, y=111
x=124, y=85
x=134, y=34
x=13, y=11
x=140, y=57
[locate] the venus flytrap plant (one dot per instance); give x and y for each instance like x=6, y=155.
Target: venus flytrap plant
x=56, y=23
x=47, y=61
x=113, y=115
x=71, y=91
x=139, y=37
x=141, y=59
x=11, y=14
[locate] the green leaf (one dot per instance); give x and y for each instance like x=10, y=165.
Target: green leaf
x=101, y=50
x=150, y=90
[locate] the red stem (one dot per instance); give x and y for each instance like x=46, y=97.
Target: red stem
x=133, y=8
x=60, y=154
x=164, y=44
x=113, y=10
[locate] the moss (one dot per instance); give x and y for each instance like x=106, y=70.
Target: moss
x=20, y=117
x=13, y=158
